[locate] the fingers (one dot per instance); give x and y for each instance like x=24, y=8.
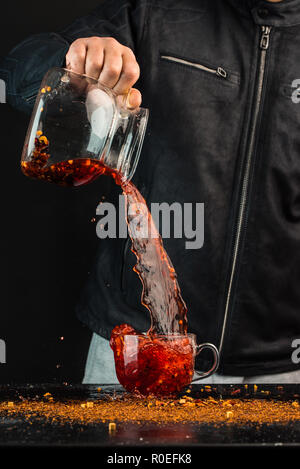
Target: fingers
x=129, y=74
x=108, y=61
x=75, y=58
x=112, y=67
x=94, y=60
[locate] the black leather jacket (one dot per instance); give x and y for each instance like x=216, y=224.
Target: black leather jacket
x=230, y=140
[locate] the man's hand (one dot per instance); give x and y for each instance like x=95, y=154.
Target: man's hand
x=106, y=60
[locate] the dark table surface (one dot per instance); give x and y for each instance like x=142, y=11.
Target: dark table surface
x=17, y=432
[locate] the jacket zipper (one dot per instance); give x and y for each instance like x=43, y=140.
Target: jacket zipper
x=220, y=72
x=264, y=46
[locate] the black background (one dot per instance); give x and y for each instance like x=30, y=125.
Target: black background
x=48, y=240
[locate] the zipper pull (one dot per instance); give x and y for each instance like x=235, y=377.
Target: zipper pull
x=265, y=37
x=221, y=72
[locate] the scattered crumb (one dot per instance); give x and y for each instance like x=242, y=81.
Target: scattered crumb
x=136, y=409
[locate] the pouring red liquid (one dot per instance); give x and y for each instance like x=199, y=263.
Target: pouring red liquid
x=160, y=362
x=161, y=292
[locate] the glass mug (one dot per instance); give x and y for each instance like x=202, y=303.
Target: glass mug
x=162, y=365
x=79, y=130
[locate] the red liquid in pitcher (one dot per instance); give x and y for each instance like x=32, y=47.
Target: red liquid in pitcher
x=152, y=365
x=71, y=172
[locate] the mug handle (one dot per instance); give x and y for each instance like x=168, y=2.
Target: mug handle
x=215, y=365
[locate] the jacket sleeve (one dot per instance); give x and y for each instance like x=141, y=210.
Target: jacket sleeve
x=24, y=67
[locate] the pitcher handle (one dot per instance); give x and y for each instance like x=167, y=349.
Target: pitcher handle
x=215, y=365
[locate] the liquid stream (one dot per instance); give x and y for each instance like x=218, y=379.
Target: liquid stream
x=150, y=364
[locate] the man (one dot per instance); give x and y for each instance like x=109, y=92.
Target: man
x=224, y=130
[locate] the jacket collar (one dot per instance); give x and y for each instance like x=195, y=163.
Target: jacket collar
x=284, y=13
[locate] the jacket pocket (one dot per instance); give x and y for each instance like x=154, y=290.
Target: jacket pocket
x=30, y=99
x=217, y=71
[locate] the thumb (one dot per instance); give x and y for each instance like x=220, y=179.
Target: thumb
x=134, y=99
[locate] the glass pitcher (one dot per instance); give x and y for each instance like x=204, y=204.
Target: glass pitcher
x=79, y=130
